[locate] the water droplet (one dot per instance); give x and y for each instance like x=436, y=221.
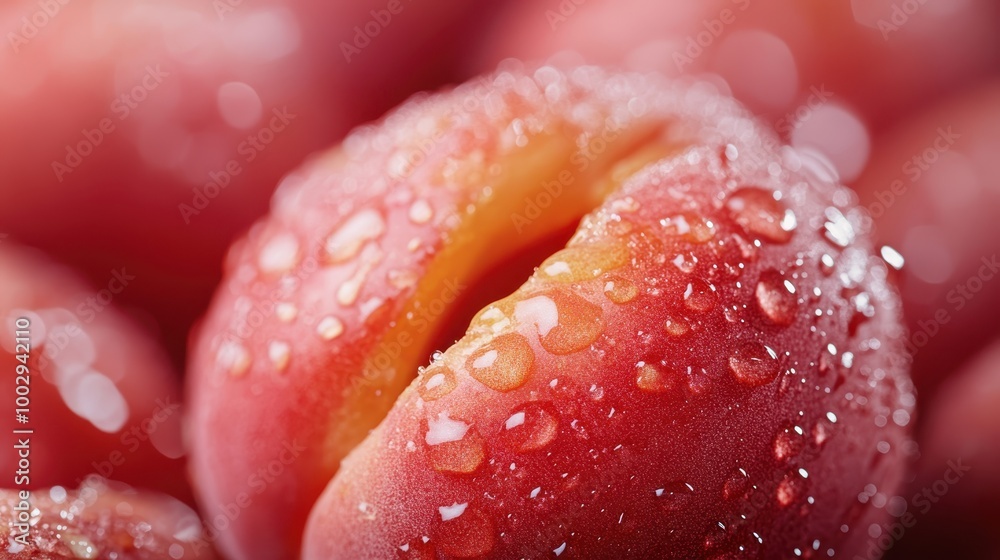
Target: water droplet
x=787, y=443
x=674, y=496
x=421, y=212
x=540, y=311
x=700, y=296
x=579, y=324
x=837, y=229
x=731, y=152
x=754, y=364
x=436, y=382
x=504, y=364
x=279, y=353
x=234, y=358
x=345, y=243
x=403, y=279
x=279, y=255
x=826, y=264
x=579, y=263
x=652, y=379
x=685, y=262
x=761, y=215
x=789, y=489
x=596, y=392
x=453, y=445
x=470, y=535
x=736, y=485
x=822, y=431
x=776, y=298
x=892, y=257
x=350, y=289
x=329, y=328
x=620, y=290
x=286, y=312
x=530, y=427
x=676, y=327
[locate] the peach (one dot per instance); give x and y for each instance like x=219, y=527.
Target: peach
x=721, y=310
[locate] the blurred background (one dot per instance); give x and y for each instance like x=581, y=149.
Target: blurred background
x=142, y=137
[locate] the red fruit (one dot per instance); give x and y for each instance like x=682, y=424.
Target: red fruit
x=99, y=520
x=933, y=189
x=640, y=349
x=182, y=117
x=101, y=396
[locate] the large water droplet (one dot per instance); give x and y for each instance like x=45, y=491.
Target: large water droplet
x=653, y=379
x=344, y=243
x=503, y=364
x=453, y=446
x=674, y=496
x=761, y=215
x=754, y=364
x=620, y=290
x=776, y=298
x=584, y=262
x=580, y=323
x=436, y=382
x=530, y=427
x=700, y=296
